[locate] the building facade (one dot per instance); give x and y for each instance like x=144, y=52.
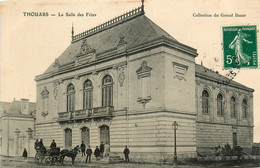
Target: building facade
x=125, y=82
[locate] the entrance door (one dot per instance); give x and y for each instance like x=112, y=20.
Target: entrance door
x=68, y=138
x=104, y=134
x=85, y=135
x=234, y=139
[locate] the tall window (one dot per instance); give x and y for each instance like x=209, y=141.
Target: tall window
x=233, y=107
x=68, y=138
x=104, y=134
x=205, y=102
x=85, y=135
x=220, y=104
x=88, y=95
x=70, y=97
x=244, y=108
x=107, y=91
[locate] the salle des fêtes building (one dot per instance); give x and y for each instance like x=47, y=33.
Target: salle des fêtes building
x=126, y=81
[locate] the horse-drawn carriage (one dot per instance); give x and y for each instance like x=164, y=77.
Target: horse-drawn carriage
x=47, y=156
x=53, y=156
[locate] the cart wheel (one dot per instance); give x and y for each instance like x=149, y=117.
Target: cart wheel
x=48, y=161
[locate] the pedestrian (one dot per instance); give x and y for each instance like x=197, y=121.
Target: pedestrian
x=24, y=153
x=101, y=147
x=41, y=144
x=83, y=148
x=106, y=151
x=97, y=153
x=89, y=153
x=126, y=153
x=36, y=144
x=53, y=144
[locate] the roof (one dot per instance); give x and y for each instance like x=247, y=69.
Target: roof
x=134, y=27
x=4, y=105
x=14, y=108
x=206, y=73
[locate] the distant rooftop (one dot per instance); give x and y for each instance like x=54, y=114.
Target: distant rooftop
x=14, y=107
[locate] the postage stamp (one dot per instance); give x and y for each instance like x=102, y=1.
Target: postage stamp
x=240, y=47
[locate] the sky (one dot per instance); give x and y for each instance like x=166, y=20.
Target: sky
x=30, y=44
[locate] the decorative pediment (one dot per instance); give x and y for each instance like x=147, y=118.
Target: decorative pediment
x=45, y=93
x=85, y=48
x=179, y=71
x=86, y=54
x=144, y=70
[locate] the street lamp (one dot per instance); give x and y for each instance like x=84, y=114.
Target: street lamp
x=175, y=127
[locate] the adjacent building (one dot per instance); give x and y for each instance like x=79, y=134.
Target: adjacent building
x=17, y=121
x=126, y=81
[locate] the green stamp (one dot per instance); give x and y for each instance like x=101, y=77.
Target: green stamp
x=240, y=47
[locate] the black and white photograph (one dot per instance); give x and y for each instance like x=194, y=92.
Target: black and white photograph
x=129, y=83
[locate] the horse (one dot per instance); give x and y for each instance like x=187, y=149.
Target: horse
x=69, y=153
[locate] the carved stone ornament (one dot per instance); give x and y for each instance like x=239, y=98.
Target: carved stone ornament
x=122, y=40
x=121, y=76
x=45, y=93
x=179, y=71
x=86, y=54
x=56, y=63
x=144, y=70
x=144, y=100
x=55, y=88
x=121, y=47
x=44, y=114
x=85, y=48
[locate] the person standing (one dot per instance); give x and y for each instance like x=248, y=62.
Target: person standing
x=101, y=147
x=83, y=148
x=89, y=153
x=53, y=144
x=24, y=153
x=36, y=144
x=106, y=151
x=126, y=153
x=97, y=153
x=41, y=144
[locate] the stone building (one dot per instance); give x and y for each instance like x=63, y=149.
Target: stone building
x=17, y=124
x=126, y=81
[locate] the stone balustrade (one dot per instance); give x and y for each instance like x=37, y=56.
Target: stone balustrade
x=97, y=112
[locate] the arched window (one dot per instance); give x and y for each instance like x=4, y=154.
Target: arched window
x=85, y=135
x=220, y=104
x=244, y=108
x=205, y=102
x=88, y=95
x=233, y=107
x=107, y=91
x=70, y=97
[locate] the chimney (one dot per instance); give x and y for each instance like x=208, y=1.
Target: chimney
x=25, y=106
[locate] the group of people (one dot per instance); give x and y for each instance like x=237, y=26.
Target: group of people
x=39, y=144
x=100, y=151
